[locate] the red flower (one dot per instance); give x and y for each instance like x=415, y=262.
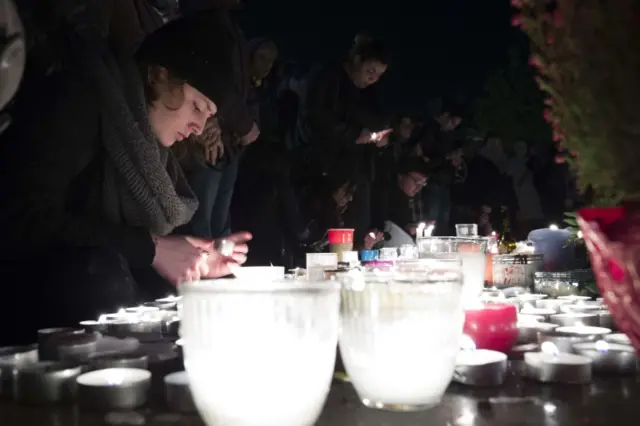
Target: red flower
x=558, y=137
x=535, y=61
x=560, y=159
x=547, y=115
x=557, y=18
x=516, y=3
x=539, y=80
x=516, y=20
x=548, y=101
x=550, y=39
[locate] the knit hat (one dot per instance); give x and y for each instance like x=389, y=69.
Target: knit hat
x=197, y=52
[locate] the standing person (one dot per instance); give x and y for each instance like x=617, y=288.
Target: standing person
x=93, y=209
x=263, y=54
x=336, y=121
x=214, y=184
x=434, y=142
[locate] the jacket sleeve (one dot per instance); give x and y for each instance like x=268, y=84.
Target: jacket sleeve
x=60, y=143
x=323, y=119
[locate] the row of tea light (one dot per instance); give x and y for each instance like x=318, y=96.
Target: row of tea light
x=65, y=366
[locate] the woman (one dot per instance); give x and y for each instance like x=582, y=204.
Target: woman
x=90, y=193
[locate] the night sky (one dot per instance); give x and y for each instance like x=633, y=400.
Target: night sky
x=439, y=48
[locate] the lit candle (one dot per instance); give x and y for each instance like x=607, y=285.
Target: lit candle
x=583, y=330
x=550, y=365
x=528, y=331
x=609, y=357
x=479, y=367
x=528, y=309
x=169, y=299
x=580, y=307
x=555, y=304
x=569, y=319
x=142, y=309
x=128, y=360
x=177, y=392
x=618, y=338
x=46, y=382
x=114, y=388
x=492, y=326
x=574, y=298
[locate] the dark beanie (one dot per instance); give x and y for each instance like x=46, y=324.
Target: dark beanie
x=194, y=50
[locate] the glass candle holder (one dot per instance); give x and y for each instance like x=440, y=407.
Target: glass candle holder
x=260, y=352
x=467, y=229
x=472, y=252
x=401, y=331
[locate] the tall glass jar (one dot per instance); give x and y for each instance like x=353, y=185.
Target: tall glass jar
x=401, y=331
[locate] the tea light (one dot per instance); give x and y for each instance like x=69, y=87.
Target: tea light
x=163, y=306
x=134, y=326
x=530, y=318
x=131, y=360
x=555, y=304
x=171, y=326
x=564, y=341
x=177, y=393
x=169, y=299
x=11, y=359
x=518, y=351
x=609, y=357
x=47, y=382
x=76, y=347
x=142, y=309
x=528, y=330
x=581, y=307
x=529, y=309
x=480, y=367
x=574, y=298
x=47, y=337
x=582, y=330
x=606, y=319
x=569, y=319
x=91, y=326
x=551, y=366
x=114, y=388
x=618, y=338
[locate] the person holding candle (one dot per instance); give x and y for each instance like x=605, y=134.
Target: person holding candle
x=91, y=194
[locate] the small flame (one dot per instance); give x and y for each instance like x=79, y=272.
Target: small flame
x=493, y=233
x=549, y=349
x=553, y=227
x=579, y=234
x=602, y=346
x=122, y=312
x=467, y=343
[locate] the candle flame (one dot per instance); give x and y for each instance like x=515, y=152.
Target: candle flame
x=602, y=346
x=549, y=348
x=553, y=227
x=579, y=234
x=467, y=343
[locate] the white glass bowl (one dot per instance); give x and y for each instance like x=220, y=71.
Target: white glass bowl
x=400, y=333
x=260, y=353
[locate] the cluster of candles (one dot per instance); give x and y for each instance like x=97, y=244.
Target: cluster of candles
x=65, y=365
x=561, y=340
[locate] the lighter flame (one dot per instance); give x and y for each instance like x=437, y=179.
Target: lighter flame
x=549, y=349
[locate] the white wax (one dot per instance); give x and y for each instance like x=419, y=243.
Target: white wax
x=611, y=347
x=473, y=267
x=574, y=298
x=169, y=299
x=583, y=330
x=542, y=326
x=531, y=297
x=619, y=338
x=260, y=273
x=538, y=359
x=479, y=357
x=537, y=311
x=120, y=377
x=526, y=318
x=179, y=378
x=578, y=308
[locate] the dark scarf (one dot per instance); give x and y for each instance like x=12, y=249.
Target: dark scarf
x=143, y=183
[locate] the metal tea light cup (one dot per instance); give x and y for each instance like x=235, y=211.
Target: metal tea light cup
x=609, y=358
x=76, y=347
x=177, y=394
x=47, y=382
x=12, y=358
x=571, y=319
x=129, y=360
x=564, y=341
x=47, y=341
x=113, y=389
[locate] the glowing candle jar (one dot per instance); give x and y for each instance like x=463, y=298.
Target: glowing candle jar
x=492, y=326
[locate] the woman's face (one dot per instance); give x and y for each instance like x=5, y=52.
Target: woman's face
x=179, y=112
x=366, y=73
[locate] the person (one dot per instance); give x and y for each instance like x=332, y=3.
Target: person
x=214, y=184
x=262, y=96
x=90, y=194
x=338, y=120
x=400, y=201
x=13, y=53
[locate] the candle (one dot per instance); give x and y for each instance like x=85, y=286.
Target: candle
x=317, y=263
x=526, y=318
x=528, y=331
x=76, y=347
x=177, y=392
x=609, y=357
x=142, y=309
x=555, y=304
x=552, y=366
x=11, y=359
x=518, y=351
x=48, y=341
x=606, y=319
x=163, y=306
x=114, y=388
x=528, y=309
x=565, y=341
x=583, y=330
x=480, y=367
x=618, y=338
x=91, y=326
x=47, y=382
x=130, y=360
x=135, y=326
x=169, y=299
x=580, y=308
x=492, y=326
x=575, y=318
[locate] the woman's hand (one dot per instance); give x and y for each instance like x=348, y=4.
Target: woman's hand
x=212, y=141
x=180, y=258
x=221, y=264
x=372, y=238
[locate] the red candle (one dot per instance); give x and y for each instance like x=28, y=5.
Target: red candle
x=492, y=326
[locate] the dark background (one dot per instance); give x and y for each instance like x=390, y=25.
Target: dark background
x=439, y=48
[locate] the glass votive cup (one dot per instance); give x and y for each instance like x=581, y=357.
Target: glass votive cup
x=260, y=352
x=400, y=333
x=467, y=229
x=472, y=252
